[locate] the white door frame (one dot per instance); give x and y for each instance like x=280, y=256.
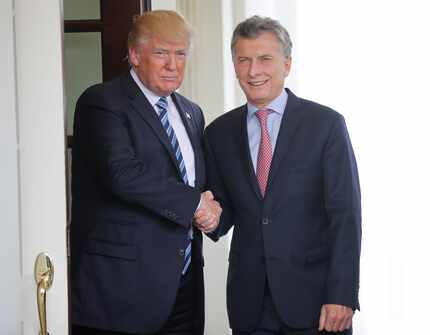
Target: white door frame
x=9, y=237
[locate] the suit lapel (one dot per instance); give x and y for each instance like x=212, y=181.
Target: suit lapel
x=289, y=125
x=147, y=112
x=245, y=154
x=186, y=119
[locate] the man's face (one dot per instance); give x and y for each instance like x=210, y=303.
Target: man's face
x=261, y=68
x=160, y=64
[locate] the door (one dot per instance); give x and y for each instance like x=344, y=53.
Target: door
x=33, y=188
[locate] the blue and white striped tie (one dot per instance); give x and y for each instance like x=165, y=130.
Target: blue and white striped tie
x=162, y=109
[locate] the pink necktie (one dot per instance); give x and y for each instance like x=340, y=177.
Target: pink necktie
x=264, y=158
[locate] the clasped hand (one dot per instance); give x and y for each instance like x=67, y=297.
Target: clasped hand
x=335, y=318
x=207, y=216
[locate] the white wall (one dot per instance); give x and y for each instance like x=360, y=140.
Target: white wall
x=370, y=61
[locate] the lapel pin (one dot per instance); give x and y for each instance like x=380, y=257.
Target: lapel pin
x=188, y=115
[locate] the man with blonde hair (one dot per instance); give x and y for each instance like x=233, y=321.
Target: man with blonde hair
x=137, y=181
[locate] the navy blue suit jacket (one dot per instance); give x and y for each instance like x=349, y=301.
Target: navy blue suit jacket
x=130, y=210
x=304, y=236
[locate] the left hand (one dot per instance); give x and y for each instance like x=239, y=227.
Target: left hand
x=335, y=318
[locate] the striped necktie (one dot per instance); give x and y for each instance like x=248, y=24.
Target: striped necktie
x=162, y=114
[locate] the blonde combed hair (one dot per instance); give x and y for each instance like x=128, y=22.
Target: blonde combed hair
x=164, y=24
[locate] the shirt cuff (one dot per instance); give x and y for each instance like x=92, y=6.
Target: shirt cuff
x=198, y=206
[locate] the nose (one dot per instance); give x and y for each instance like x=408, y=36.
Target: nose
x=171, y=62
x=254, y=68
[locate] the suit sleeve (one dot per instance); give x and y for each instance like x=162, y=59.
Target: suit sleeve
x=217, y=186
x=103, y=137
x=342, y=203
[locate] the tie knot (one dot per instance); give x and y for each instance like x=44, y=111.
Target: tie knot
x=162, y=103
x=262, y=115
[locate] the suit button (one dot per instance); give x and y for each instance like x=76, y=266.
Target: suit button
x=266, y=221
x=170, y=214
x=182, y=252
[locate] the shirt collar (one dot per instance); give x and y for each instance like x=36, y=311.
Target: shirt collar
x=277, y=105
x=151, y=96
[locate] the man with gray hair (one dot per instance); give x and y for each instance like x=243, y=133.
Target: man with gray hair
x=284, y=172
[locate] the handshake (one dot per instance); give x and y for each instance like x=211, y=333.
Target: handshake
x=207, y=215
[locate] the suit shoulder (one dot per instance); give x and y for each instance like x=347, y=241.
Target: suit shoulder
x=317, y=112
x=187, y=101
x=103, y=94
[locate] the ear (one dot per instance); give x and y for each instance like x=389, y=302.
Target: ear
x=287, y=66
x=134, y=56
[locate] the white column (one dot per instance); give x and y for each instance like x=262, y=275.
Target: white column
x=204, y=83
x=204, y=74
x=163, y=4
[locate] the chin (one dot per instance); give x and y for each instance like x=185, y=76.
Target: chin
x=258, y=92
x=172, y=88
x=258, y=98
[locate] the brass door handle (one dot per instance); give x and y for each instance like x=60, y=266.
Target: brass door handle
x=44, y=276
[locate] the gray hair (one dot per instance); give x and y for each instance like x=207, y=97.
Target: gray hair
x=255, y=26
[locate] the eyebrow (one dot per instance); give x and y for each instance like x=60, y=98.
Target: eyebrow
x=167, y=51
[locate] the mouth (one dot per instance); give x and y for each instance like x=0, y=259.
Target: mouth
x=257, y=83
x=169, y=78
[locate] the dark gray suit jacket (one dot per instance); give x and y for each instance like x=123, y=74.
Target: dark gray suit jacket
x=304, y=236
